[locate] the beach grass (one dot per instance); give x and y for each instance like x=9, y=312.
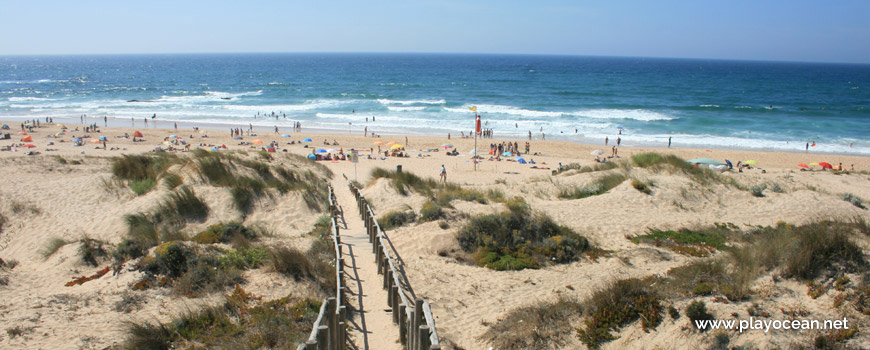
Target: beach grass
x=598, y=186
x=92, y=251
x=395, y=219
x=172, y=181
x=547, y=325
x=52, y=246
x=673, y=164
x=693, y=242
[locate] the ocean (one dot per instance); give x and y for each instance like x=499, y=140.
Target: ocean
x=698, y=103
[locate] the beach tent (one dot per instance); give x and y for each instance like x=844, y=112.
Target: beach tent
x=306, y=140
x=321, y=150
x=27, y=138
x=5, y=127
x=521, y=160
x=312, y=157
x=707, y=161
x=802, y=165
x=137, y=134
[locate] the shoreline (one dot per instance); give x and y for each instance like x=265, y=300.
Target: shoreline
x=115, y=122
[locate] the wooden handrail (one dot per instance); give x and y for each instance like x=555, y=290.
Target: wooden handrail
x=416, y=323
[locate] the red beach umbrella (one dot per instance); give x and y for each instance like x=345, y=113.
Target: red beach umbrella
x=802, y=165
x=137, y=134
x=27, y=138
x=826, y=165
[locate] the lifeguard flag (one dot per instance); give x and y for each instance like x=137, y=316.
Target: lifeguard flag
x=477, y=124
x=473, y=108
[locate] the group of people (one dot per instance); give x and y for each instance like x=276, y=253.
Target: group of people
x=512, y=147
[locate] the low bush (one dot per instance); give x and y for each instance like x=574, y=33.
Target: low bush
x=700, y=242
x=617, y=305
x=855, y=200
x=598, y=187
x=657, y=162
x=395, y=219
x=91, y=251
x=519, y=239
x=431, y=211
x=543, y=326
x=225, y=233
x=758, y=190
x=641, y=186
x=697, y=311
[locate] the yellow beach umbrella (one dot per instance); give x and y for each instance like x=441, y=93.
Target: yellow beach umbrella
x=396, y=146
x=751, y=162
x=814, y=164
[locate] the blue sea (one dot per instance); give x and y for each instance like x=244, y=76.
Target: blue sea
x=698, y=103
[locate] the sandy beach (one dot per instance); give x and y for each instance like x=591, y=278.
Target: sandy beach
x=61, y=193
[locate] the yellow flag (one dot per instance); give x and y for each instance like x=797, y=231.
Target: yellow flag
x=473, y=108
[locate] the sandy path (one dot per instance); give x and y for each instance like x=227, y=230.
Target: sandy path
x=371, y=327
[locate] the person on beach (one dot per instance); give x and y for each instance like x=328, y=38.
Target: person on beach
x=146, y=122
x=669, y=141
x=606, y=140
x=807, y=149
x=530, y=135
x=176, y=126
x=443, y=173
x=106, y=120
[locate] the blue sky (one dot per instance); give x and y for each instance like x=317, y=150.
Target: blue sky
x=796, y=30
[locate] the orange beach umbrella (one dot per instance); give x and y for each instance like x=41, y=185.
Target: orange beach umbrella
x=378, y=143
x=138, y=134
x=802, y=165
x=391, y=143
x=27, y=138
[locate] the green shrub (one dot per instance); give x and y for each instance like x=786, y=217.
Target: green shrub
x=776, y=188
x=697, y=311
x=225, y=233
x=243, y=259
x=855, y=200
x=291, y=262
x=148, y=336
x=598, y=187
x=699, y=242
x=91, y=251
x=171, y=259
x=618, y=305
x=758, y=190
x=395, y=219
x=431, y=211
x=519, y=238
x=142, y=229
x=443, y=225
x=128, y=249
x=673, y=312
x=641, y=186
x=705, y=288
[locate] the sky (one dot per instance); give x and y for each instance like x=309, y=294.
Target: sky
x=778, y=30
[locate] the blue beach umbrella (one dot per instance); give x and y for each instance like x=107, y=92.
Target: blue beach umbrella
x=312, y=157
x=521, y=160
x=306, y=140
x=507, y=154
x=102, y=137
x=285, y=135
x=321, y=150
x=173, y=136
x=620, y=128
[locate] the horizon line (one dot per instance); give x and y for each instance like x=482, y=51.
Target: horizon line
x=430, y=53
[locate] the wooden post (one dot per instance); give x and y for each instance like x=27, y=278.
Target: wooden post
x=394, y=292
x=342, y=328
x=403, y=325
x=417, y=320
x=424, y=337
x=330, y=315
x=387, y=279
x=322, y=336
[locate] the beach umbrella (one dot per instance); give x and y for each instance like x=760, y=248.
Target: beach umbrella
x=507, y=154
x=391, y=143
x=58, y=134
x=802, y=165
x=705, y=161
x=620, y=128
x=27, y=138
x=330, y=150
x=137, y=134
x=102, y=137
x=5, y=127
x=321, y=150
x=826, y=165
x=215, y=149
x=378, y=143
x=814, y=164
x=285, y=135
x=447, y=145
x=29, y=146
x=238, y=137
x=306, y=140
x=95, y=141
x=396, y=146
x=173, y=136
x=521, y=160
x=597, y=152
x=751, y=162
x=259, y=142
x=312, y=157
